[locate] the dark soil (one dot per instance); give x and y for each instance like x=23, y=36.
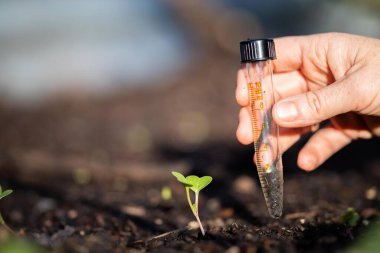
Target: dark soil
x=87, y=174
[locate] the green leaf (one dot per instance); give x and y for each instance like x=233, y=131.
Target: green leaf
x=193, y=182
x=1, y=190
x=5, y=193
x=179, y=177
x=204, y=181
x=350, y=218
x=198, y=183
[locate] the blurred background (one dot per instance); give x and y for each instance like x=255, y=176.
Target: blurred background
x=102, y=84
x=98, y=85
x=98, y=82
x=102, y=46
x=116, y=94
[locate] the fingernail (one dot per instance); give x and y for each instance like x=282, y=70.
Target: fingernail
x=287, y=111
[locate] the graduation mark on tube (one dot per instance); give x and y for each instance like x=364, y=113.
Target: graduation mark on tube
x=256, y=56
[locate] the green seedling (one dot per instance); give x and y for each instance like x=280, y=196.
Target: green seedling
x=166, y=193
x=350, y=217
x=196, y=184
x=4, y=194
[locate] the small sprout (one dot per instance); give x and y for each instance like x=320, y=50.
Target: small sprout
x=166, y=193
x=350, y=218
x=196, y=184
x=4, y=194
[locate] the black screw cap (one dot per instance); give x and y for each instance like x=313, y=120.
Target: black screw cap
x=257, y=50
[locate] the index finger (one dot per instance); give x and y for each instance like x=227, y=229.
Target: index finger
x=241, y=92
x=289, y=53
x=287, y=84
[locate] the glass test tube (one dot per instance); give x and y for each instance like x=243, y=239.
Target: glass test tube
x=256, y=56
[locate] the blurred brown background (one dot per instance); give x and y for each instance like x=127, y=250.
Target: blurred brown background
x=113, y=89
x=100, y=100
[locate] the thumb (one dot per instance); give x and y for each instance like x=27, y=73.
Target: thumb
x=315, y=106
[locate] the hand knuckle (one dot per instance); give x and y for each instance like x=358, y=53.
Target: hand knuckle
x=314, y=102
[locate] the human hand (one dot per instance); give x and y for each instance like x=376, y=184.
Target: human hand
x=321, y=77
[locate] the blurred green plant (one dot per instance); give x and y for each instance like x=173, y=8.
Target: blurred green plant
x=10, y=243
x=196, y=184
x=369, y=241
x=166, y=193
x=4, y=194
x=350, y=217
x=16, y=245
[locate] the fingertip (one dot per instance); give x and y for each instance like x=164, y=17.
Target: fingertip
x=307, y=162
x=241, y=93
x=244, y=130
x=285, y=113
x=322, y=145
x=242, y=135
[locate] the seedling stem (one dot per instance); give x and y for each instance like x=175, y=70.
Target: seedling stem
x=195, y=184
x=3, y=194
